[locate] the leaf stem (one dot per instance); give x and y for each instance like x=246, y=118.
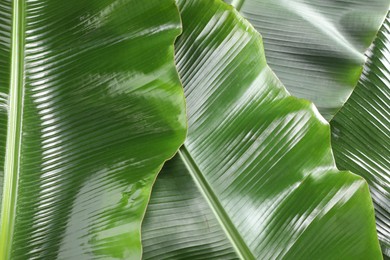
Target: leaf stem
x=15, y=111
x=237, y=4
x=223, y=218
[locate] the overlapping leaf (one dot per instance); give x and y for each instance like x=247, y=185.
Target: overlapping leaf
x=261, y=160
x=94, y=108
x=361, y=131
x=316, y=47
x=179, y=223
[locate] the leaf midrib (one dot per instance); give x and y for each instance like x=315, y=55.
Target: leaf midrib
x=14, y=127
x=212, y=199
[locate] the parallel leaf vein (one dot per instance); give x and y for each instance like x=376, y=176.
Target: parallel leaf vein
x=234, y=236
x=14, y=127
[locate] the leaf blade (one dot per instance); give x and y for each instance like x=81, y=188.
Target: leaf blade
x=316, y=48
x=360, y=131
x=103, y=109
x=257, y=150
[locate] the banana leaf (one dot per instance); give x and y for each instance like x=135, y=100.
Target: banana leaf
x=256, y=177
x=90, y=107
x=316, y=47
x=5, y=56
x=361, y=131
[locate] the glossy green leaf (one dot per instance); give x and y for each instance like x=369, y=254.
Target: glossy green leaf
x=259, y=158
x=5, y=56
x=91, y=106
x=316, y=47
x=361, y=131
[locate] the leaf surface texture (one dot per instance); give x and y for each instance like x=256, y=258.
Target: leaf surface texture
x=361, y=131
x=90, y=107
x=5, y=56
x=260, y=158
x=316, y=47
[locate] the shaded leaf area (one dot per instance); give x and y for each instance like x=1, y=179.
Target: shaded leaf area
x=316, y=47
x=260, y=158
x=179, y=223
x=361, y=131
x=102, y=109
x=5, y=35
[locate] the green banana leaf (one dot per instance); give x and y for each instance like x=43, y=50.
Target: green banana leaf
x=361, y=131
x=90, y=107
x=5, y=56
x=316, y=47
x=256, y=178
